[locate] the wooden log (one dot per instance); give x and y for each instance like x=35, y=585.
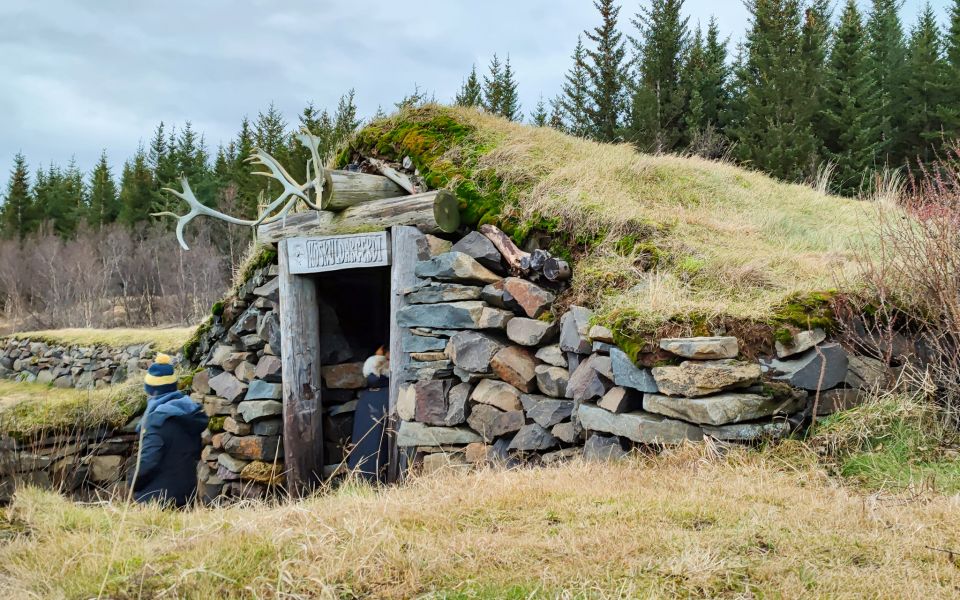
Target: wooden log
x=555, y=269
x=514, y=256
x=394, y=175
x=405, y=242
x=430, y=212
x=300, y=360
x=348, y=189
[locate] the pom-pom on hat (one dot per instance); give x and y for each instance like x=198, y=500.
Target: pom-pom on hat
x=160, y=378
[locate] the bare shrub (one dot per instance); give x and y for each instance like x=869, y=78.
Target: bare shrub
x=110, y=278
x=913, y=285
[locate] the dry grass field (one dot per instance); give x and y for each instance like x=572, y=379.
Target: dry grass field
x=690, y=523
x=161, y=338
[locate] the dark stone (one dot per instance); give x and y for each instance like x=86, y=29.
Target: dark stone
x=261, y=390
x=254, y=447
x=478, y=246
x=495, y=295
x=533, y=299
x=471, y=314
x=431, y=401
x=546, y=412
x=455, y=266
x=627, y=374
x=574, y=330
x=552, y=381
x=227, y=386
x=473, y=351
x=586, y=383
x=268, y=427
x=418, y=343
x=458, y=407
x=492, y=423
x=804, y=371
x=600, y=448
x=334, y=347
x=533, y=437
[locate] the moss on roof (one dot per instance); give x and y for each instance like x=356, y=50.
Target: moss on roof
x=654, y=239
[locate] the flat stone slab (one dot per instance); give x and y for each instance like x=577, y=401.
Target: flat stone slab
x=418, y=434
x=516, y=366
x=720, y=409
x=255, y=410
x=552, y=355
x=434, y=293
x=531, y=332
x=497, y=393
x=801, y=342
x=629, y=375
x=748, y=432
x=479, y=246
x=227, y=386
x=470, y=314
x=262, y=390
x=533, y=438
x=533, y=299
x=702, y=348
x=575, y=329
x=455, y=266
x=642, y=427
x=702, y=378
x=492, y=423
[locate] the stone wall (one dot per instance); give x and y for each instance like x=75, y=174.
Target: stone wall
x=86, y=465
x=495, y=374
x=81, y=367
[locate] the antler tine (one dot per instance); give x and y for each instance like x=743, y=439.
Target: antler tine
x=196, y=209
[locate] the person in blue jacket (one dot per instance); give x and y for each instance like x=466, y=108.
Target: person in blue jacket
x=170, y=441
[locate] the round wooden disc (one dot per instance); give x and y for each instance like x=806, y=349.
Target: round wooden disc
x=446, y=211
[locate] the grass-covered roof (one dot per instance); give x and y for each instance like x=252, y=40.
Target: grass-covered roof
x=654, y=239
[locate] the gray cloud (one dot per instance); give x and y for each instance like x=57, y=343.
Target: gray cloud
x=80, y=76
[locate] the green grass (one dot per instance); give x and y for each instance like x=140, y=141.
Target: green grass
x=28, y=409
x=163, y=339
x=654, y=238
x=892, y=442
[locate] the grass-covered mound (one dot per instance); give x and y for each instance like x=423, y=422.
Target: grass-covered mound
x=655, y=239
x=29, y=409
x=162, y=339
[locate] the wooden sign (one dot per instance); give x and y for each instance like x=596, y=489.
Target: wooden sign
x=336, y=252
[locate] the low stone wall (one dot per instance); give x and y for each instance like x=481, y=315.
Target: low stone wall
x=496, y=376
x=86, y=465
x=81, y=367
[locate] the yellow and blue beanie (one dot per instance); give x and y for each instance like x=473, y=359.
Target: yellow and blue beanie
x=160, y=378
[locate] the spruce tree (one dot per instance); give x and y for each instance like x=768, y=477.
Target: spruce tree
x=605, y=70
x=950, y=110
x=816, y=33
x=510, y=99
x=539, y=115
x=704, y=80
x=925, y=92
x=104, y=203
x=270, y=135
x=136, y=191
x=493, y=86
x=345, y=120
x=850, y=127
x=773, y=128
x=659, y=101
x=571, y=108
x=16, y=212
x=887, y=50
x=470, y=93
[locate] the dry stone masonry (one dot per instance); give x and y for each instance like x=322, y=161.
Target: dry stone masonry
x=77, y=367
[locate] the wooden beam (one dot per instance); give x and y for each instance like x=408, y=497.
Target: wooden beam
x=430, y=212
x=300, y=360
x=514, y=256
x=394, y=175
x=405, y=243
x=349, y=189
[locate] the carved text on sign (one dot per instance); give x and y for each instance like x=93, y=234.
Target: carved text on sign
x=335, y=252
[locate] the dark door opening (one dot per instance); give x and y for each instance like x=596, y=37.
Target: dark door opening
x=355, y=323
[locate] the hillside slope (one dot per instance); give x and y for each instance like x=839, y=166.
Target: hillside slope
x=655, y=238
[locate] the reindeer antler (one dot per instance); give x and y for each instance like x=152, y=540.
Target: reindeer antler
x=290, y=193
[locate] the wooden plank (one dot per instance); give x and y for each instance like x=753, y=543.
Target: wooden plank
x=405, y=242
x=336, y=252
x=348, y=188
x=300, y=360
x=430, y=212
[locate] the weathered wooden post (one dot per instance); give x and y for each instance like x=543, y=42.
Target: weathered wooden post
x=300, y=354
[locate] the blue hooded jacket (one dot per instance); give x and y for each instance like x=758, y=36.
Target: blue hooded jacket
x=170, y=449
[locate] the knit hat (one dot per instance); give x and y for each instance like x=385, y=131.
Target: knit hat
x=160, y=378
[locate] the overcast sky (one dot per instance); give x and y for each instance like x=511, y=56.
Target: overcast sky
x=84, y=75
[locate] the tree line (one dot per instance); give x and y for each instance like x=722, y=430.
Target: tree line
x=804, y=89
